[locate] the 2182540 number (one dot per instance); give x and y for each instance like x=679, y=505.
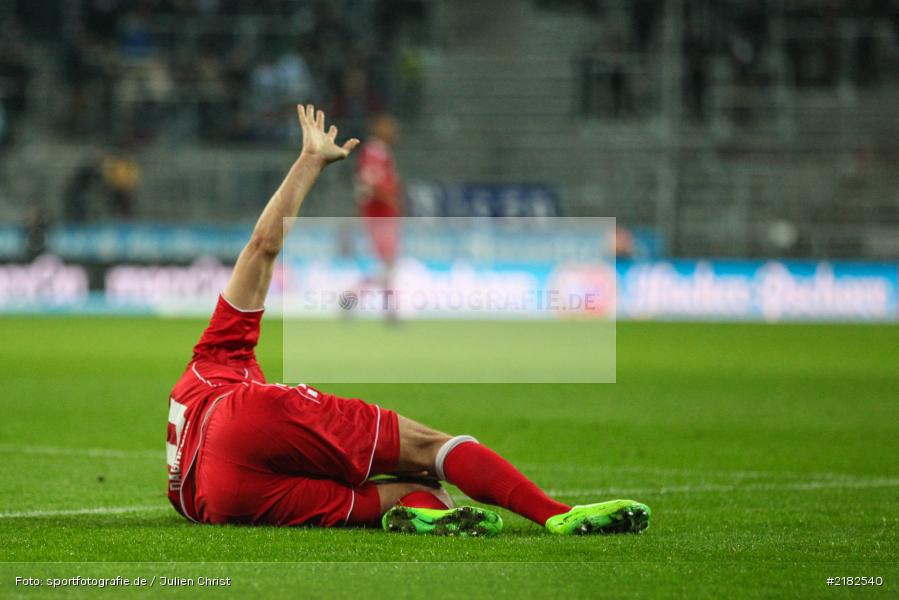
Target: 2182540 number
x=849, y=581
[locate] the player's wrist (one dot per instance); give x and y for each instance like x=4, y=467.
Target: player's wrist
x=312, y=160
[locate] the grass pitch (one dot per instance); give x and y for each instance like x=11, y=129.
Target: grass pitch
x=769, y=454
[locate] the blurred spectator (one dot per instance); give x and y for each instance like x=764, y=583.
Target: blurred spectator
x=356, y=98
x=135, y=38
x=236, y=73
x=294, y=75
x=165, y=68
x=145, y=82
x=268, y=101
x=121, y=176
x=103, y=185
x=411, y=76
x=36, y=225
x=77, y=191
x=122, y=58
x=206, y=75
x=330, y=39
x=264, y=84
x=142, y=96
x=79, y=75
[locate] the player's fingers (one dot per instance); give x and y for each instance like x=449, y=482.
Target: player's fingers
x=320, y=120
x=301, y=115
x=310, y=115
x=350, y=145
x=332, y=133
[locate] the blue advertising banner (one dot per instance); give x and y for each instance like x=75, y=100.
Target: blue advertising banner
x=12, y=241
x=147, y=242
x=527, y=264
x=771, y=291
x=428, y=199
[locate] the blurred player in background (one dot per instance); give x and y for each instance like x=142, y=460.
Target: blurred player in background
x=242, y=450
x=379, y=195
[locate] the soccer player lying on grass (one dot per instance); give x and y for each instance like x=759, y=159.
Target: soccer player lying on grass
x=241, y=450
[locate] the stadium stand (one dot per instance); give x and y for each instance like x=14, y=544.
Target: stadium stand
x=712, y=129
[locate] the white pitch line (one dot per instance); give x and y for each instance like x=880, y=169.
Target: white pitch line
x=86, y=452
x=686, y=472
x=734, y=488
x=71, y=512
x=541, y=467
x=599, y=493
x=684, y=489
x=814, y=480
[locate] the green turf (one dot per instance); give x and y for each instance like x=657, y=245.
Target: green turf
x=769, y=454
x=448, y=351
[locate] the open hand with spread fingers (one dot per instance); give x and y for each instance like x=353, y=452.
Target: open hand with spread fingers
x=317, y=143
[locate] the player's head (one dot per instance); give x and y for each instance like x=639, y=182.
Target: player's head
x=385, y=127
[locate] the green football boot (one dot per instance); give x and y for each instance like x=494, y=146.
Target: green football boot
x=462, y=521
x=615, y=516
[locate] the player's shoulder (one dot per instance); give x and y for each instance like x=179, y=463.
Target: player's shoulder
x=205, y=376
x=279, y=390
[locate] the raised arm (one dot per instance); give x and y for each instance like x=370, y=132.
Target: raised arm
x=252, y=274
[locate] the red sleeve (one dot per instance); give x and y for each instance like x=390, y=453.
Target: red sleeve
x=232, y=335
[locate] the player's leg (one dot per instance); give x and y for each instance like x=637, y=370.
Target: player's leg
x=412, y=507
x=409, y=493
x=388, y=252
x=485, y=476
x=480, y=473
x=231, y=493
x=425, y=510
x=296, y=437
x=234, y=488
x=291, y=501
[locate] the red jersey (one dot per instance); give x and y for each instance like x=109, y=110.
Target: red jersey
x=240, y=450
x=377, y=180
x=223, y=360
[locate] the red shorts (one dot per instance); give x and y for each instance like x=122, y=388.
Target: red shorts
x=281, y=455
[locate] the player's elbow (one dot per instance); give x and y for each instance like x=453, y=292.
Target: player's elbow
x=265, y=244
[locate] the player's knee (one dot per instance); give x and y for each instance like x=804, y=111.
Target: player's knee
x=429, y=446
x=448, y=445
x=419, y=445
x=436, y=447
x=391, y=494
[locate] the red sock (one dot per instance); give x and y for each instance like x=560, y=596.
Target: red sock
x=487, y=477
x=422, y=500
